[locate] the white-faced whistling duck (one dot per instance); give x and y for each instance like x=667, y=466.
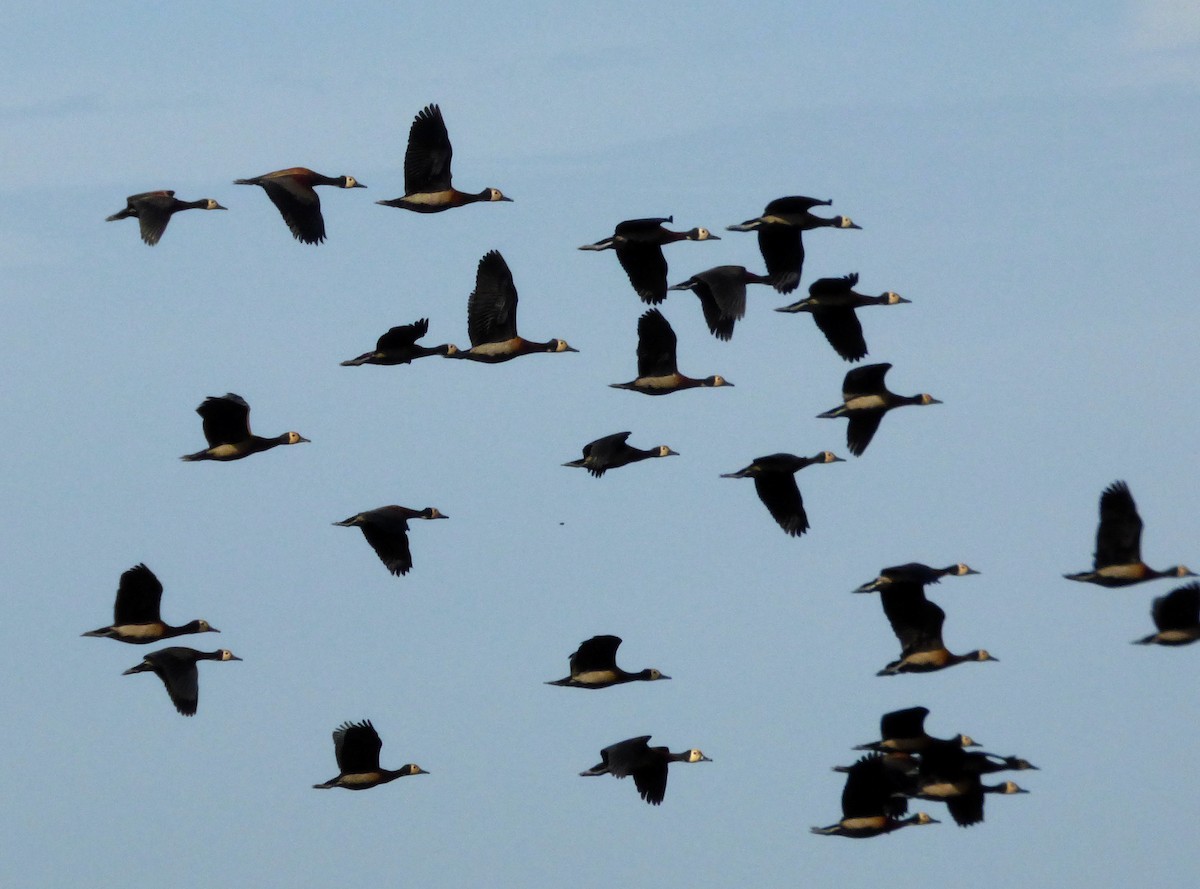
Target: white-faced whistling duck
x=872, y=802
x=904, y=731
x=722, y=292
x=831, y=302
x=386, y=529
x=917, y=623
x=356, y=746
x=865, y=400
x=136, y=612
x=638, y=244
x=1177, y=617
x=613, y=451
x=492, y=317
x=647, y=765
x=989, y=763
x=775, y=480
x=292, y=191
x=1118, y=561
x=153, y=210
x=914, y=572
x=779, y=236
x=594, y=665
x=945, y=776
x=399, y=346
x=176, y=667
x=227, y=430
x=658, y=372
x=427, y=187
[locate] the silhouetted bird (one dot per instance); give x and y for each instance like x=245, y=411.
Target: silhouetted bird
x=865, y=400
x=722, y=293
x=386, y=529
x=658, y=372
x=872, y=801
x=612, y=451
x=1118, y=561
x=356, y=746
x=594, y=665
x=914, y=572
x=399, y=346
x=492, y=317
x=904, y=731
x=293, y=192
x=779, y=236
x=917, y=623
x=1177, y=617
x=153, y=210
x=638, y=244
x=775, y=480
x=227, y=431
x=427, y=187
x=647, y=765
x=136, y=612
x=176, y=667
x=831, y=302
x=945, y=776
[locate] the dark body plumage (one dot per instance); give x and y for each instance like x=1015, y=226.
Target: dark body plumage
x=947, y=774
x=780, y=241
x=154, y=209
x=386, y=529
x=293, y=192
x=594, y=665
x=227, y=431
x=427, y=186
x=613, y=451
x=914, y=572
x=865, y=400
x=917, y=623
x=658, y=372
x=356, y=746
x=722, y=293
x=176, y=667
x=638, y=244
x=647, y=765
x=492, y=317
x=1118, y=559
x=903, y=731
x=831, y=302
x=136, y=616
x=775, y=480
x=1177, y=617
x=872, y=802
x=399, y=346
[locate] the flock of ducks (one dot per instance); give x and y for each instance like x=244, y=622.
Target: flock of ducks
x=906, y=763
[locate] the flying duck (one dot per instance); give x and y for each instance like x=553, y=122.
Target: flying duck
x=227, y=430
x=594, y=665
x=136, y=616
x=647, y=765
x=386, y=529
x=658, y=372
x=866, y=399
x=775, y=480
x=356, y=746
x=638, y=244
x=176, y=667
x=293, y=193
x=153, y=210
x=427, y=187
x=613, y=451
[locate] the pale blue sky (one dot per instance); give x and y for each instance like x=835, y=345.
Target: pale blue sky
x=1027, y=178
